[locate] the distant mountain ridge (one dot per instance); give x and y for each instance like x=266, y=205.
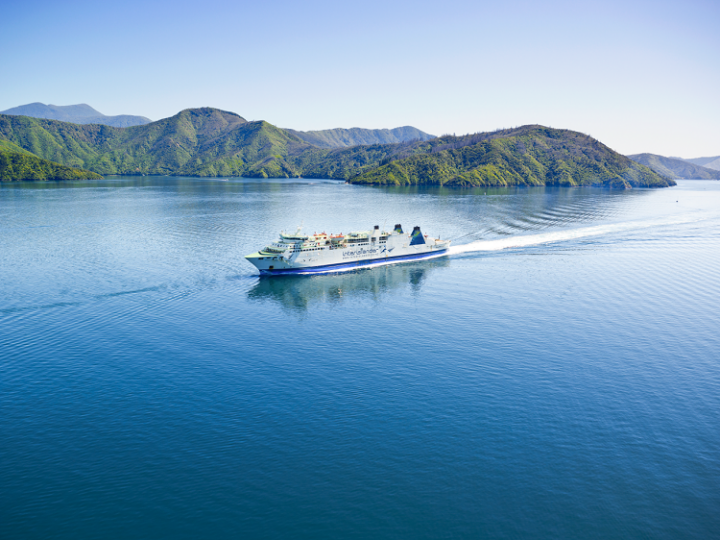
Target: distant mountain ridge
x=676, y=168
x=707, y=162
x=76, y=114
x=341, y=138
x=209, y=142
x=715, y=164
x=702, y=161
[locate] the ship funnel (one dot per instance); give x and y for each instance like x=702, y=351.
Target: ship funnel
x=416, y=237
x=398, y=228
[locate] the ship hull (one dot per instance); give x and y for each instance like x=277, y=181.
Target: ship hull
x=347, y=266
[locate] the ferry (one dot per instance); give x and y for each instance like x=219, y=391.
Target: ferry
x=325, y=253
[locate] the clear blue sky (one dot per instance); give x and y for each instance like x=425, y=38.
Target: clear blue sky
x=641, y=76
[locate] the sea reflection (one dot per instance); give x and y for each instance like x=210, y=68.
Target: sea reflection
x=298, y=293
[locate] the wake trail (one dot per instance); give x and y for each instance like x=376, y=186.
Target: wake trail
x=564, y=236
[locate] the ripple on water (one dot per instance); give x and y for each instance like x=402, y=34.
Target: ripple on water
x=555, y=377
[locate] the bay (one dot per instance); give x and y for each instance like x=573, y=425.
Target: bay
x=556, y=376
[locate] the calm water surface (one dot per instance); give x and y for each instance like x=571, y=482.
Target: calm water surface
x=558, y=376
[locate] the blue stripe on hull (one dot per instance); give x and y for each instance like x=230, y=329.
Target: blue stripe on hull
x=344, y=267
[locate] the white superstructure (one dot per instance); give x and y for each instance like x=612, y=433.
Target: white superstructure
x=319, y=253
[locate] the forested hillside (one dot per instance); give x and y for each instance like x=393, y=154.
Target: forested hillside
x=16, y=166
x=529, y=155
x=210, y=142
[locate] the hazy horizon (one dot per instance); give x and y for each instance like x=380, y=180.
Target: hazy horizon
x=639, y=76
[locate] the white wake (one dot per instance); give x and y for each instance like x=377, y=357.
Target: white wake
x=563, y=236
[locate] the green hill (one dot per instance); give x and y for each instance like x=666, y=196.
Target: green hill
x=210, y=142
x=194, y=142
x=15, y=166
x=529, y=155
x=77, y=114
x=675, y=168
x=340, y=138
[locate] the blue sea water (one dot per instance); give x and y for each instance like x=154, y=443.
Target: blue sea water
x=557, y=376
